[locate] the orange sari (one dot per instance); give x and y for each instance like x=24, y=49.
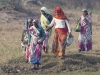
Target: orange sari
x=59, y=41
x=60, y=35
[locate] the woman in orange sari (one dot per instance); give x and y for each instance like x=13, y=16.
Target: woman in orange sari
x=62, y=31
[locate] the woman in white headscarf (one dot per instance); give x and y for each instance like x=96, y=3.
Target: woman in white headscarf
x=37, y=36
x=85, y=34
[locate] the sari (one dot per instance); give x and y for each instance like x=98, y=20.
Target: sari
x=85, y=35
x=25, y=33
x=45, y=20
x=59, y=42
x=60, y=34
x=26, y=25
x=35, y=49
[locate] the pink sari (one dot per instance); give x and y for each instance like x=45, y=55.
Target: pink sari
x=33, y=52
x=85, y=35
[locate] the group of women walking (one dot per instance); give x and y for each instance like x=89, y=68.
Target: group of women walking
x=40, y=32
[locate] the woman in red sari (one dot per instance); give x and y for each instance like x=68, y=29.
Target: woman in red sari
x=62, y=31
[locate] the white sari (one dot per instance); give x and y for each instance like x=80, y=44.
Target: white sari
x=35, y=48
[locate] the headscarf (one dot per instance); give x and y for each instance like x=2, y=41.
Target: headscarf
x=30, y=19
x=36, y=21
x=45, y=10
x=61, y=14
x=33, y=30
x=85, y=11
x=26, y=26
x=43, y=19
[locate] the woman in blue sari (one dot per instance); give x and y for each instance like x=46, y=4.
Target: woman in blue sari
x=37, y=36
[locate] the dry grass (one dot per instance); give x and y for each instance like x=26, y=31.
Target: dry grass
x=12, y=60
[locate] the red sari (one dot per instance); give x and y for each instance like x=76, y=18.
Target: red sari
x=59, y=41
x=60, y=35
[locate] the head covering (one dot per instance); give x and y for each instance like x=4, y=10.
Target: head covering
x=29, y=19
x=85, y=10
x=45, y=10
x=61, y=14
x=26, y=24
x=35, y=21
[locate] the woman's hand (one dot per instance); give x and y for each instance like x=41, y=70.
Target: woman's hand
x=86, y=20
x=69, y=34
x=39, y=41
x=47, y=28
x=22, y=43
x=28, y=44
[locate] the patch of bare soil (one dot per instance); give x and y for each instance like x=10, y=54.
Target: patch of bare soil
x=51, y=64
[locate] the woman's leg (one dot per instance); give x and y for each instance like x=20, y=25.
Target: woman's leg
x=34, y=68
x=45, y=44
x=55, y=43
x=45, y=49
x=38, y=66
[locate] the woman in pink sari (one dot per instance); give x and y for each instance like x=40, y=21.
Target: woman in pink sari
x=37, y=36
x=85, y=35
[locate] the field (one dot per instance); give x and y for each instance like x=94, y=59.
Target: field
x=12, y=58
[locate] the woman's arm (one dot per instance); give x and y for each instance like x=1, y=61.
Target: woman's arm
x=43, y=35
x=52, y=23
x=89, y=22
x=25, y=26
x=29, y=37
x=50, y=18
x=88, y=18
x=68, y=25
